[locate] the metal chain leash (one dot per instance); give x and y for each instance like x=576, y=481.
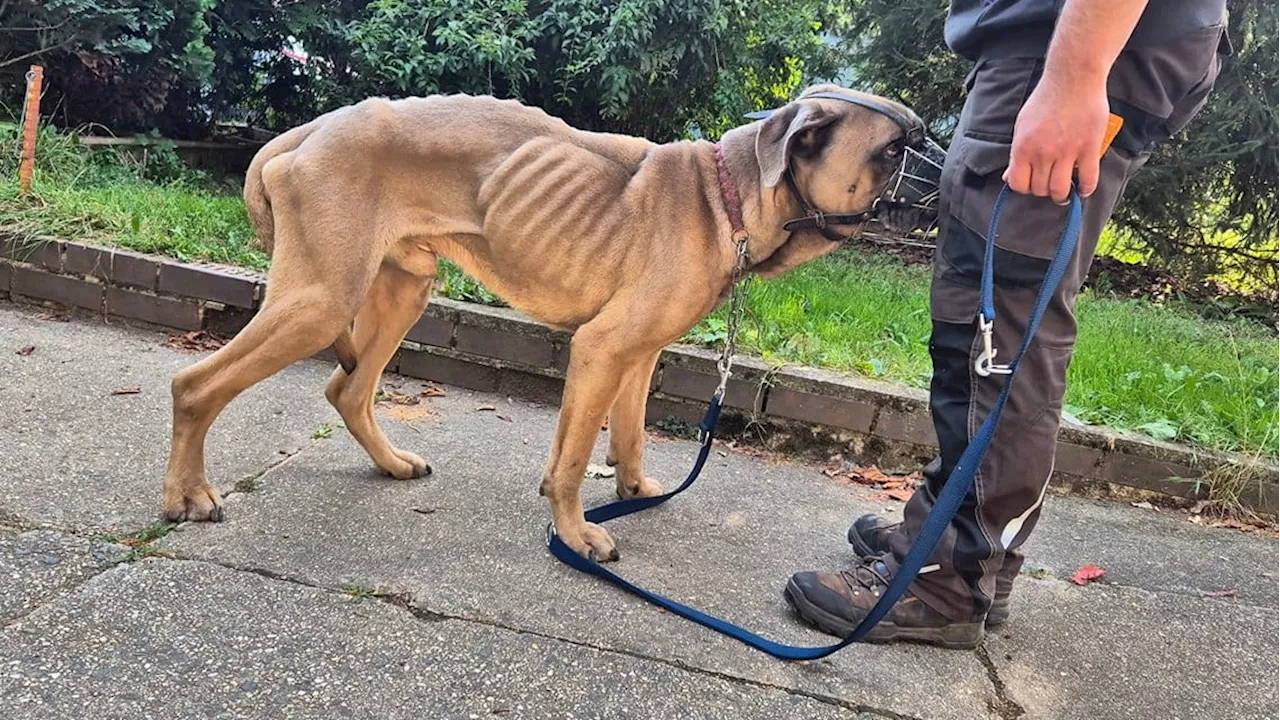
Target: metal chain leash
x=737, y=306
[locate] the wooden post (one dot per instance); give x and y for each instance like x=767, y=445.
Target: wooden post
x=31, y=121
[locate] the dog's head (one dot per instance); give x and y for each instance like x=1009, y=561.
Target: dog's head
x=841, y=156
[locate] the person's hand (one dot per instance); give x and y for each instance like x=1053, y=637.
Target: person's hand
x=1059, y=129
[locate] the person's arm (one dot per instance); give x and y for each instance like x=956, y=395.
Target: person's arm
x=1063, y=123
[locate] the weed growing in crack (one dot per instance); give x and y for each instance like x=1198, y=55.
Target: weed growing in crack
x=359, y=591
x=325, y=431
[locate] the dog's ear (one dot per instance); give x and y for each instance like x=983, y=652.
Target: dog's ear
x=798, y=130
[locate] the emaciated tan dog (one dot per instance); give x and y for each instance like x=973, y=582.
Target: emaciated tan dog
x=622, y=241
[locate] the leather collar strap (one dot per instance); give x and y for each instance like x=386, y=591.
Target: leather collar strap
x=818, y=220
x=729, y=194
x=912, y=127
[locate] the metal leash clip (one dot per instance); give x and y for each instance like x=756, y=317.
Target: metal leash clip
x=986, y=365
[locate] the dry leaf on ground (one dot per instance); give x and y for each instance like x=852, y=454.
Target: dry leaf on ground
x=432, y=391
x=900, y=494
x=398, y=398
x=196, y=340
x=1087, y=574
x=127, y=390
x=486, y=408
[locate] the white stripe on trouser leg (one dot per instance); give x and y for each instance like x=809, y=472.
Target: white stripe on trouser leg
x=1015, y=525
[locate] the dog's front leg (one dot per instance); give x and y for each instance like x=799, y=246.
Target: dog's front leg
x=596, y=369
x=626, y=432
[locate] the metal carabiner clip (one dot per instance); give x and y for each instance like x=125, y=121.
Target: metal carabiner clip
x=986, y=365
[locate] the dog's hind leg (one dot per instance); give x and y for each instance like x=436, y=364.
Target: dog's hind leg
x=394, y=303
x=286, y=329
x=626, y=432
x=316, y=283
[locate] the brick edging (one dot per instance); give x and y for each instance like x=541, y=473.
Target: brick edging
x=498, y=350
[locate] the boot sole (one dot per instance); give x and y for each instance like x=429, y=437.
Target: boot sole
x=996, y=616
x=957, y=636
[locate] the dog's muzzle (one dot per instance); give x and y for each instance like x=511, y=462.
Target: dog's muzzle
x=909, y=205
x=916, y=182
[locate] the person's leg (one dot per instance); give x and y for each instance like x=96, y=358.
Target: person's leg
x=981, y=549
x=1004, y=505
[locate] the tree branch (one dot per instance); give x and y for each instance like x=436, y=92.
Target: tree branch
x=34, y=53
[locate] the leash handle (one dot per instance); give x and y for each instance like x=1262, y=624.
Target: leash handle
x=948, y=501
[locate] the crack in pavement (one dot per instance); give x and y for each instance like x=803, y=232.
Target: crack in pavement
x=404, y=601
x=1003, y=705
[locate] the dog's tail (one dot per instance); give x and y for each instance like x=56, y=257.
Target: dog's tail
x=256, y=199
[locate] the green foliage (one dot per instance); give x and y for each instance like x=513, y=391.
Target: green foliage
x=1159, y=369
x=1205, y=206
x=654, y=68
x=115, y=62
x=146, y=200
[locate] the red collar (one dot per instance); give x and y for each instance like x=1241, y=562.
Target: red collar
x=729, y=194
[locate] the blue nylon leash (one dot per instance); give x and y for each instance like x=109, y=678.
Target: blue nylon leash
x=945, y=505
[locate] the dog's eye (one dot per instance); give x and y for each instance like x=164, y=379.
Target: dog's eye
x=894, y=150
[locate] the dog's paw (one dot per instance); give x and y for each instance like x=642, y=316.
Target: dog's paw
x=407, y=467
x=648, y=488
x=592, y=542
x=196, y=502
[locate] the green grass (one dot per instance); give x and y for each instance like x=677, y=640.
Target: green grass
x=1163, y=370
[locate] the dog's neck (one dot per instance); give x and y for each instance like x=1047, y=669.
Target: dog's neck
x=763, y=209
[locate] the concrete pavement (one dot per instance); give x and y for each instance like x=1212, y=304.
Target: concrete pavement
x=333, y=592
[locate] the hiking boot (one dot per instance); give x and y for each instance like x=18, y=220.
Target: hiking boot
x=836, y=602
x=869, y=535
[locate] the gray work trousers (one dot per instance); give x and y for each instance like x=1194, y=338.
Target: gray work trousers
x=1157, y=90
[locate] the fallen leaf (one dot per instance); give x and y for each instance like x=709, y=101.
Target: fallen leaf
x=1144, y=505
x=433, y=391
x=196, y=340
x=423, y=511
x=1087, y=574
x=398, y=398
x=500, y=416
x=1233, y=523
x=1218, y=593
x=27, y=350
x=53, y=317
x=127, y=390
x=600, y=471
x=900, y=494
x=486, y=408
x=870, y=475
